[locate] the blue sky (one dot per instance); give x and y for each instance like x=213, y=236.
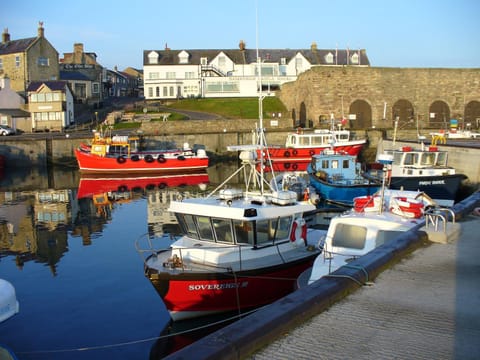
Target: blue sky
x=407, y=33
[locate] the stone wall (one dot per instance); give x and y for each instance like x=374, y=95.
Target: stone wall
x=321, y=91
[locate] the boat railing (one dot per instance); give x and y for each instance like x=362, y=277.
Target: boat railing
x=439, y=216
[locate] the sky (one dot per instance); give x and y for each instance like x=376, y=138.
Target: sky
x=407, y=33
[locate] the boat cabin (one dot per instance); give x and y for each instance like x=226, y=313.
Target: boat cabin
x=317, y=138
x=335, y=166
x=257, y=233
x=114, y=146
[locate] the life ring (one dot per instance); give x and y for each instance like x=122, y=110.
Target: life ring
x=406, y=207
x=121, y=159
x=148, y=158
x=298, y=236
x=366, y=203
x=135, y=157
x=287, y=153
x=161, y=159
x=122, y=188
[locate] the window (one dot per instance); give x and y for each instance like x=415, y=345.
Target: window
x=42, y=61
x=170, y=75
x=223, y=230
x=165, y=91
x=1, y=64
x=153, y=57
x=190, y=75
x=150, y=92
x=17, y=61
x=48, y=97
x=57, y=96
x=153, y=75
x=171, y=93
x=203, y=61
x=33, y=98
x=349, y=236
x=204, y=228
x=157, y=91
x=329, y=58
x=221, y=61
x=95, y=88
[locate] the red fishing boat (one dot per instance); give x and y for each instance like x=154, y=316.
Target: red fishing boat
x=299, y=148
x=122, y=154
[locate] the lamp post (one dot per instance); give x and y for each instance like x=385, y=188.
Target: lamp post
x=96, y=119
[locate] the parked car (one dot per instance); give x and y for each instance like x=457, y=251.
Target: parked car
x=6, y=130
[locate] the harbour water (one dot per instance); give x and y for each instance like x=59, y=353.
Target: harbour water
x=78, y=277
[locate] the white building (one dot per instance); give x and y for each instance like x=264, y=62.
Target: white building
x=172, y=74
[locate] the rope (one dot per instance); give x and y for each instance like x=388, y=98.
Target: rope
x=99, y=347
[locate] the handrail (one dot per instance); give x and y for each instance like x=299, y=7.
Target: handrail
x=435, y=215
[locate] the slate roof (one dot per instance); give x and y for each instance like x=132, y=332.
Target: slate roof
x=52, y=85
x=15, y=112
x=248, y=56
x=16, y=46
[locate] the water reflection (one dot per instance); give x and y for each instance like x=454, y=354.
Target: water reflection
x=82, y=229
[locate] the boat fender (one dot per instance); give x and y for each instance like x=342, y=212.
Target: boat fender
x=121, y=159
x=476, y=211
x=148, y=158
x=161, y=159
x=287, y=153
x=295, y=152
x=312, y=152
x=135, y=158
x=298, y=236
x=294, y=166
x=181, y=157
x=286, y=165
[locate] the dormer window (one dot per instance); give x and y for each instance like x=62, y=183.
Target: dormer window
x=153, y=57
x=203, y=61
x=329, y=58
x=183, y=57
x=354, y=58
x=283, y=61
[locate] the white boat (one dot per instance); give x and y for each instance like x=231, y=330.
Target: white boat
x=8, y=300
x=239, y=248
x=373, y=221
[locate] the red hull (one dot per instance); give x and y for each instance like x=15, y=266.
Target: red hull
x=215, y=293
x=297, y=159
x=89, y=163
x=92, y=185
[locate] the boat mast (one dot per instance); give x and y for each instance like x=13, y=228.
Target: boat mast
x=261, y=130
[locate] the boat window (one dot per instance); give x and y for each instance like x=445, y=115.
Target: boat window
x=385, y=236
x=243, y=231
x=204, y=228
x=345, y=164
x=223, y=230
x=325, y=164
x=317, y=140
x=304, y=140
x=427, y=159
x=272, y=230
x=349, y=236
x=410, y=159
x=442, y=159
x=187, y=225
x=334, y=164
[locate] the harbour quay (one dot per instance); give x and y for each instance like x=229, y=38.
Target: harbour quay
x=419, y=299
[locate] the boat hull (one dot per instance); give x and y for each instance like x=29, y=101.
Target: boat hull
x=189, y=294
x=443, y=189
x=342, y=194
x=297, y=159
x=89, y=163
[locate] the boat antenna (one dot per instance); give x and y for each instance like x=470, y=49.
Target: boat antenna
x=260, y=130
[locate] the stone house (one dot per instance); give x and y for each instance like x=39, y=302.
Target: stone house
x=28, y=60
x=85, y=75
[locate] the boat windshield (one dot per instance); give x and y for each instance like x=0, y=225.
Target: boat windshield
x=349, y=236
x=256, y=233
x=442, y=159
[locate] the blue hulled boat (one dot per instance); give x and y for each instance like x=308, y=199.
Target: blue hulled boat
x=338, y=178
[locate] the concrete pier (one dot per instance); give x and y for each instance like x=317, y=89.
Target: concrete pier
x=417, y=299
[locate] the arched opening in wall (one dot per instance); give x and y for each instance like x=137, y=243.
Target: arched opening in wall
x=294, y=118
x=362, y=115
x=303, y=115
x=403, y=111
x=472, y=115
x=439, y=115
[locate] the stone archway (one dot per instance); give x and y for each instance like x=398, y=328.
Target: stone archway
x=403, y=111
x=472, y=114
x=439, y=115
x=363, y=115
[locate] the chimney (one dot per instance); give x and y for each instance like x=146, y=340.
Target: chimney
x=5, y=36
x=41, y=31
x=241, y=45
x=313, y=47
